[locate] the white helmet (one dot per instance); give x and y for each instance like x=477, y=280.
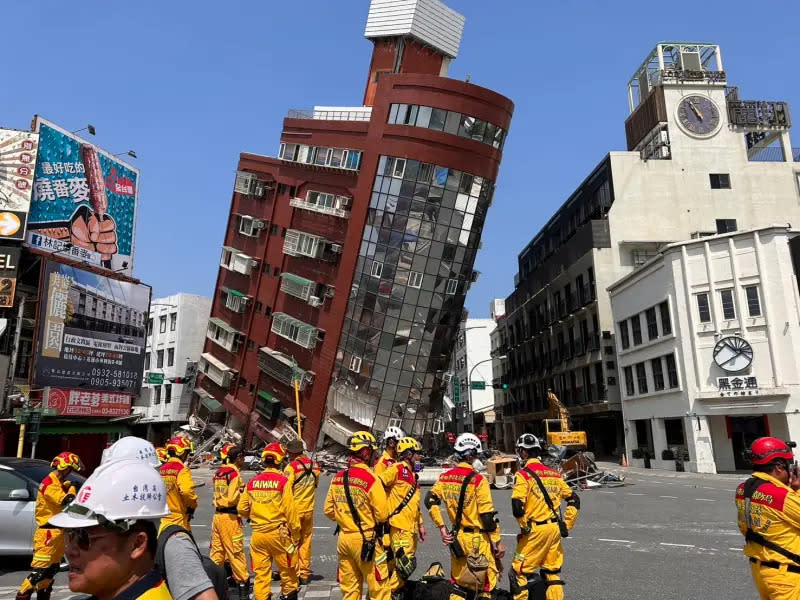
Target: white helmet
x=131, y=447
x=119, y=492
x=394, y=433
x=467, y=442
x=528, y=441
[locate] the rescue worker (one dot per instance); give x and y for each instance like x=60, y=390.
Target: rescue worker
x=539, y=540
x=303, y=474
x=269, y=505
x=110, y=532
x=181, y=495
x=162, y=454
x=55, y=492
x=405, y=515
x=362, y=556
x=768, y=508
x=227, y=535
x=389, y=456
x=478, y=533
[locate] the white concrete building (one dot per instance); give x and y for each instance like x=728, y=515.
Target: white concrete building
x=176, y=330
x=700, y=161
x=497, y=310
x=472, y=355
x=708, y=346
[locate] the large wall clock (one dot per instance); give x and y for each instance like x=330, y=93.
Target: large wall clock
x=698, y=116
x=733, y=354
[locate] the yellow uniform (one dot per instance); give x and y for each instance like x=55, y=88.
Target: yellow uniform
x=369, y=500
x=386, y=460
x=227, y=536
x=303, y=475
x=181, y=496
x=539, y=543
x=149, y=587
x=401, y=482
x=775, y=515
x=479, y=531
x=48, y=542
x=269, y=504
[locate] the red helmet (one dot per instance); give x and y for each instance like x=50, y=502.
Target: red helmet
x=179, y=446
x=766, y=449
x=67, y=460
x=225, y=451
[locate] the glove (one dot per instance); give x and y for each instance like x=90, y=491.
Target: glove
x=67, y=499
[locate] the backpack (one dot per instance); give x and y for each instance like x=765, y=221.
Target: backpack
x=215, y=573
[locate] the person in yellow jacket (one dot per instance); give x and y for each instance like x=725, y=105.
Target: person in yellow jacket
x=303, y=474
x=768, y=507
x=227, y=535
x=55, y=492
x=539, y=540
x=362, y=556
x=269, y=504
x=478, y=532
x=181, y=495
x=390, y=438
x=405, y=516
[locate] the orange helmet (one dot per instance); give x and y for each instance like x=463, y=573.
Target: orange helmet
x=274, y=452
x=179, y=446
x=67, y=460
x=162, y=454
x=225, y=451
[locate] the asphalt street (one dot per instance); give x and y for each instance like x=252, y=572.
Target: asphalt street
x=664, y=536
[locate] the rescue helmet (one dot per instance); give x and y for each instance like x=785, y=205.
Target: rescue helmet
x=67, y=460
x=467, y=443
x=767, y=449
x=163, y=455
x=528, y=441
x=393, y=433
x=131, y=447
x=274, y=452
x=296, y=447
x=225, y=451
x=360, y=440
x=116, y=495
x=179, y=446
x=408, y=444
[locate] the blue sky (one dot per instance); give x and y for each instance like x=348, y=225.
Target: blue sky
x=190, y=85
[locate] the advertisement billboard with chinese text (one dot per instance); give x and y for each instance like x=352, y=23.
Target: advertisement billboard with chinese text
x=91, y=331
x=87, y=403
x=84, y=201
x=17, y=162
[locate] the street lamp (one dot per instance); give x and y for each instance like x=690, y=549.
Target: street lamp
x=130, y=153
x=469, y=389
x=89, y=128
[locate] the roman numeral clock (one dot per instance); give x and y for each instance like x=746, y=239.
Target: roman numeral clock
x=699, y=116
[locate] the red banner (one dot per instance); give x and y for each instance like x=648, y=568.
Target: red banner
x=88, y=403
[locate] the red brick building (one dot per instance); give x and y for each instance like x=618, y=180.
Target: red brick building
x=348, y=256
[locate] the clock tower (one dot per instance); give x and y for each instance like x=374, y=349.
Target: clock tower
x=682, y=108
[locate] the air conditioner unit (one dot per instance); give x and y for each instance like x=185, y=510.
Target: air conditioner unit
x=259, y=224
x=315, y=301
x=258, y=189
x=310, y=376
x=329, y=291
x=345, y=201
x=336, y=248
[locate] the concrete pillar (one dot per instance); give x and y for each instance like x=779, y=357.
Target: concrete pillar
x=659, y=436
x=793, y=423
x=630, y=438
x=698, y=440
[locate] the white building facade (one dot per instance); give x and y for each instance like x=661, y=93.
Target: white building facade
x=176, y=330
x=708, y=345
x=472, y=355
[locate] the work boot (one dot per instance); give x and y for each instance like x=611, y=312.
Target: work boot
x=276, y=576
x=292, y=596
x=244, y=590
x=25, y=596
x=45, y=593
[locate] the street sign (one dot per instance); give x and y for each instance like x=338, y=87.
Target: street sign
x=478, y=385
x=456, y=390
x=155, y=378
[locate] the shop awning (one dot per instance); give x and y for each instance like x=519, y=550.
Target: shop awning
x=214, y=361
x=70, y=429
x=266, y=396
x=212, y=404
x=223, y=325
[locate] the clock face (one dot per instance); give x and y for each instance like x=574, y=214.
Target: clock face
x=733, y=354
x=699, y=116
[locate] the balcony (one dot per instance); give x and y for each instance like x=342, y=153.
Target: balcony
x=282, y=368
x=297, y=286
x=235, y=301
x=326, y=204
x=216, y=370
x=237, y=261
x=333, y=113
x=224, y=335
x=321, y=156
x=300, y=243
x=294, y=330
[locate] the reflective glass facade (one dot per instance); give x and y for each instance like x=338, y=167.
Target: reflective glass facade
x=414, y=267
x=449, y=121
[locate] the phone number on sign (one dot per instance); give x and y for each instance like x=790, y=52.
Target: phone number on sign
x=111, y=382
x=114, y=373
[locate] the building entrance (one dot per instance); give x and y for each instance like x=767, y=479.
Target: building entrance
x=744, y=431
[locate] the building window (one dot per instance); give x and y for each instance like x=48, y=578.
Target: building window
x=672, y=371
x=170, y=357
x=658, y=374
x=623, y=334
x=720, y=181
x=642, y=256
x=173, y=321
x=415, y=279
x=452, y=287
x=753, y=303
x=728, y=310
x=160, y=359
x=652, y=323
x=377, y=269
x=149, y=327
x=641, y=378
x=636, y=330
x=703, y=308
x=162, y=324
x=666, y=322
x=167, y=393
x=157, y=395
x=628, y=371
x=259, y=306
x=355, y=364
x=726, y=225
x=247, y=226
x=146, y=360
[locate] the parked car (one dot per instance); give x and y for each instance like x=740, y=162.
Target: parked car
x=19, y=486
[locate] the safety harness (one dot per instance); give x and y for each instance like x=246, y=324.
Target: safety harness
x=556, y=515
x=750, y=487
x=307, y=470
x=406, y=499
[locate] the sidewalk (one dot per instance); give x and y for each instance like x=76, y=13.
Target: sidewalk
x=658, y=473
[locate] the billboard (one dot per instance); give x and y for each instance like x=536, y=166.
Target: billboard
x=9, y=260
x=17, y=162
x=84, y=201
x=86, y=403
x=91, y=331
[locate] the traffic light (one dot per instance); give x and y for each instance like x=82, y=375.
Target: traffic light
x=505, y=386
x=179, y=379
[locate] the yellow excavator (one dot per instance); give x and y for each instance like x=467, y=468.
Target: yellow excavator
x=556, y=426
